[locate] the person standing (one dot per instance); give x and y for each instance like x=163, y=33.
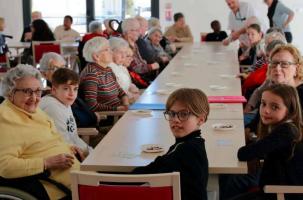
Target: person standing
x=241, y=16
x=280, y=16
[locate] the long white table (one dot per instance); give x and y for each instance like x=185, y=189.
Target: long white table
x=120, y=148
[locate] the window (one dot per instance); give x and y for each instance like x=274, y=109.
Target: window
x=54, y=11
x=121, y=9
x=83, y=11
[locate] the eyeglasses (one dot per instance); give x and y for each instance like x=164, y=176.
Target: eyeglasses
x=182, y=115
x=29, y=92
x=283, y=64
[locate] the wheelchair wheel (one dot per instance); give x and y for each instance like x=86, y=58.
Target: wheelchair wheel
x=7, y=193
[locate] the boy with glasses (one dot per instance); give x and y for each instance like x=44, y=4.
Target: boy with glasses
x=186, y=110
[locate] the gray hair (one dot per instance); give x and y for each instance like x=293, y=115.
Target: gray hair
x=117, y=43
x=95, y=26
x=273, y=44
x=130, y=23
x=154, y=30
x=47, y=57
x=153, y=22
x=93, y=46
x=20, y=71
x=274, y=36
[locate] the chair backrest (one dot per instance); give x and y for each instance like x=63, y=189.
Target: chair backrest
x=4, y=62
x=280, y=190
x=39, y=48
x=93, y=186
x=203, y=36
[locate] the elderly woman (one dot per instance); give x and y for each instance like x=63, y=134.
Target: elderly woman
x=119, y=47
x=99, y=85
x=169, y=47
x=130, y=29
x=29, y=141
x=154, y=37
x=95, y=30
x=49, y=63
x=139, y=81
x=289, y=72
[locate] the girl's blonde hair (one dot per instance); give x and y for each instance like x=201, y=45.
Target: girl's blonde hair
x=296, y=55
x=291, y=100
x=194, y=99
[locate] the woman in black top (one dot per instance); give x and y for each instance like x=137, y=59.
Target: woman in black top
x=41, y=32
x=186, y=110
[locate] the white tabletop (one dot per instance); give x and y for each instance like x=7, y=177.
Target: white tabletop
x=120, y=150
x=198, y=66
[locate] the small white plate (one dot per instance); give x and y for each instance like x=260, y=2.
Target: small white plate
x=162, y=92
x=190, y=64
x=142, y=112
x=213, y=62
x=228, y=76
x=217, y=106
x=217, y=87
x=152, y=148
x=176, y=74
x=173, y=84
x=223, y=127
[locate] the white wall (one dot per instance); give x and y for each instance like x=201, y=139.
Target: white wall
x=199, y=14
x=11, y=10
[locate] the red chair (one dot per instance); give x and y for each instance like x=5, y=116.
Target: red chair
x=4, y=63
x=39, y=48
x=203, y=36
x=97, y=186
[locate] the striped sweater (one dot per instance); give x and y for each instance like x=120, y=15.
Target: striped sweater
x=99, y=88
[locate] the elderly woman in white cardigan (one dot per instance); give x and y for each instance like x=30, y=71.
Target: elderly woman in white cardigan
x=119, y=48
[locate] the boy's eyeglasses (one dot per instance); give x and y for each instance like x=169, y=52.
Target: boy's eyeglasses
x=283, y=64
x=28, y=92
x=182, y=115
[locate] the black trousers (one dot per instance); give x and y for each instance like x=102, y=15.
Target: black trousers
x=288, y=37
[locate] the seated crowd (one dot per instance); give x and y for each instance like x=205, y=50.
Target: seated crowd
x=40, y=144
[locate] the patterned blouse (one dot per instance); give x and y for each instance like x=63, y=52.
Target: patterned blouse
x=99, y=88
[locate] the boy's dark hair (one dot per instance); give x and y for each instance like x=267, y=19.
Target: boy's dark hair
x=65, y=76
x=214, y=23
x=177, y=16
x=69, y=17
x=255, y=27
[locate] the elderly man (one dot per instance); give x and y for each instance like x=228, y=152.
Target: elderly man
x=179, y=31
x=65, y=32
x=241, y=16
x=29, y=141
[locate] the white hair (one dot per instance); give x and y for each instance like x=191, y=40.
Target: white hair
x=20, y=71
x=93, y=46
x=117, y=43
x=153, y=30
x=130, y=23
x=47, y=57
x=153, y=22
x=95, y=26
